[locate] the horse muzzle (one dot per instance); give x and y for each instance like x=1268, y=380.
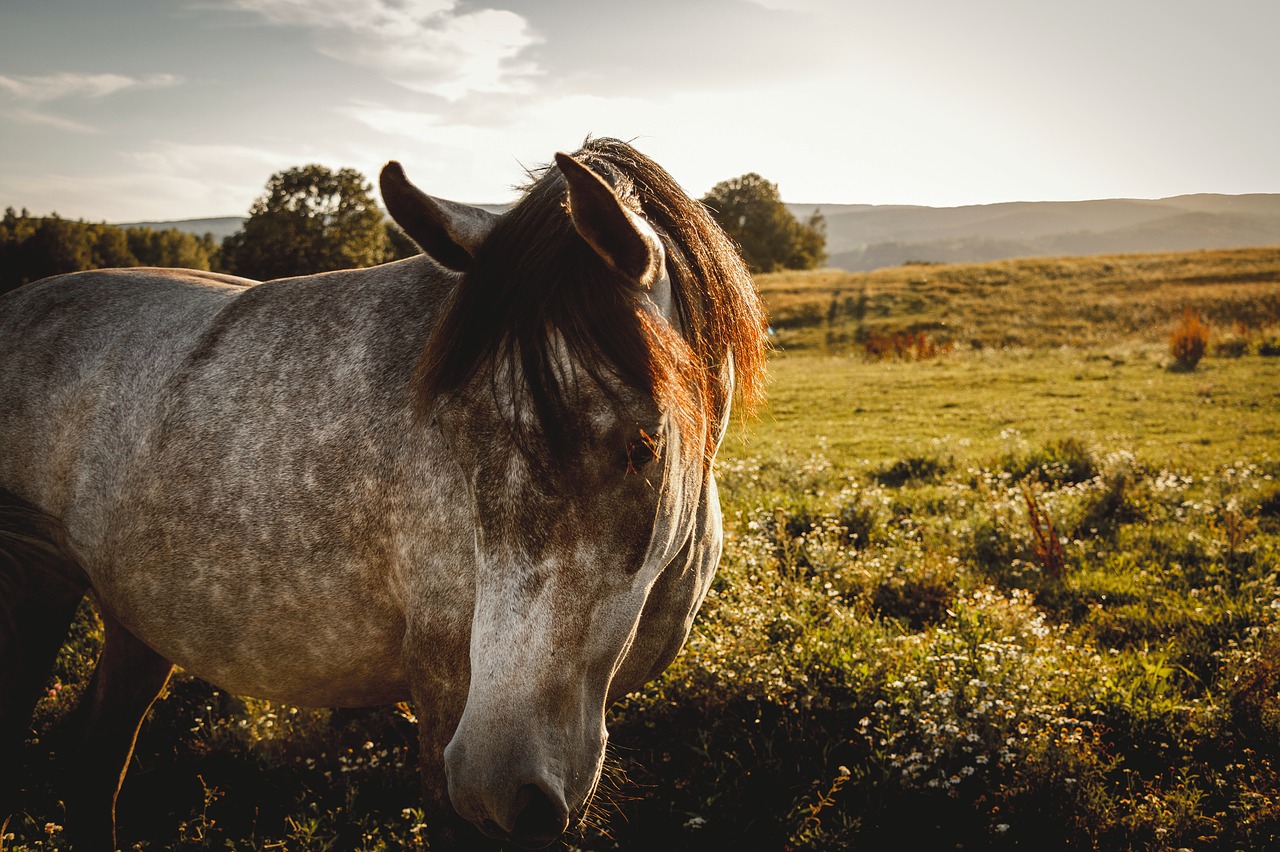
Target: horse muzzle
x=521, y=801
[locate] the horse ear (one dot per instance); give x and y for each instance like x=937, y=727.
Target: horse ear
x=624, y=240
x=448, y=231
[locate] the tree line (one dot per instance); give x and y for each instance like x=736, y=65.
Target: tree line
x=34, y=247
x=312, y=219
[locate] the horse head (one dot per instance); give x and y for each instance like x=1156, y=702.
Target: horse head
x=583, y=421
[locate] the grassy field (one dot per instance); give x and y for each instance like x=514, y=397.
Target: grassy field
x=967, y=405
x=1089, y=301
x=1021, y=595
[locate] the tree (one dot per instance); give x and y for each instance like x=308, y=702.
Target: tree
x=111, y=248
x=171, y=247
x=809, y=250
x=750, y=210
x=33, y=247
x=57, y=246
x=310, y=219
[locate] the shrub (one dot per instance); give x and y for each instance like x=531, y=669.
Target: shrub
x=913, y=468
x=861, y=515
x=918, y=596
x=797, y=315
x=1189, y=340
x=1234, y=346
x=1060, y=461
x=1269, y=503
x=1252, y=690
x=903, y=346
x=1110, y=505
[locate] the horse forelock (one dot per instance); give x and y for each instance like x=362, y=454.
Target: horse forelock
x=537, y=292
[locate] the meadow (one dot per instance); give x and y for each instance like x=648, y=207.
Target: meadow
x=1015, y=588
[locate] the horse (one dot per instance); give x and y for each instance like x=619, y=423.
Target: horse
x=480, y=479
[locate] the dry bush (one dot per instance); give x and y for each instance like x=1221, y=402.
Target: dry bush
x=1189, y=340
x=903, y=346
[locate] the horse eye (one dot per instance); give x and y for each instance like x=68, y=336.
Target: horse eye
x=641, y=451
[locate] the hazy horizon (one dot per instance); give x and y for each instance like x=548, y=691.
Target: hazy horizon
x=154, y=110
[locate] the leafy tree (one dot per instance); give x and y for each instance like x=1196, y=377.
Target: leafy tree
x=770, y=238
x=310, y=219
x=111, y=248
x=34, y=247
x=60, y=245
x=171, y=247
x=809, y=249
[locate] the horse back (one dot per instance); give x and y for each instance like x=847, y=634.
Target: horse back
x=84, y=357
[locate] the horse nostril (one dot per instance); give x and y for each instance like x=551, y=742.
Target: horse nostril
x=540, y=821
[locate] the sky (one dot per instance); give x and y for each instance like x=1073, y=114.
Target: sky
x=134, y=110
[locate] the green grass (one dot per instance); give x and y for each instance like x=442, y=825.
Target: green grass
x=972, y=405
x=886, y=659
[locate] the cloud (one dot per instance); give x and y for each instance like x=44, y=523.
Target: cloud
x=393, y=122
x=790, y=5
x=161, y=181
x=38, y=89
x=196, y=160
x=424, y=45
x=30, y=116
x=51, y=87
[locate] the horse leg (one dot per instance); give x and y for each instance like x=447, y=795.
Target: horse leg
x=127, y=680
x=36, y=607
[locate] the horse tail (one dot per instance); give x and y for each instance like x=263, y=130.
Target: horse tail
x=28, y=543
x=40, y=589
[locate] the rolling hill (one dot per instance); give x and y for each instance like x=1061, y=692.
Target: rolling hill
x=864, y=237
x=221, y=227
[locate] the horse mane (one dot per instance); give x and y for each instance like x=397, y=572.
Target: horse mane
x=535, y=284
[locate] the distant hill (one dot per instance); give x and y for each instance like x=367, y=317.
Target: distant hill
x=221, y=227
x=224, y=226
x=862, y=237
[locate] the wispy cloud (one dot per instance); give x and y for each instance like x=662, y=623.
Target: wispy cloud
x=791, y=5
x=30, y=116
x=195, y=160
x=51, y=87
x=27, y=90
x=212, y=179
x=424, y=45
x=393, y=122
